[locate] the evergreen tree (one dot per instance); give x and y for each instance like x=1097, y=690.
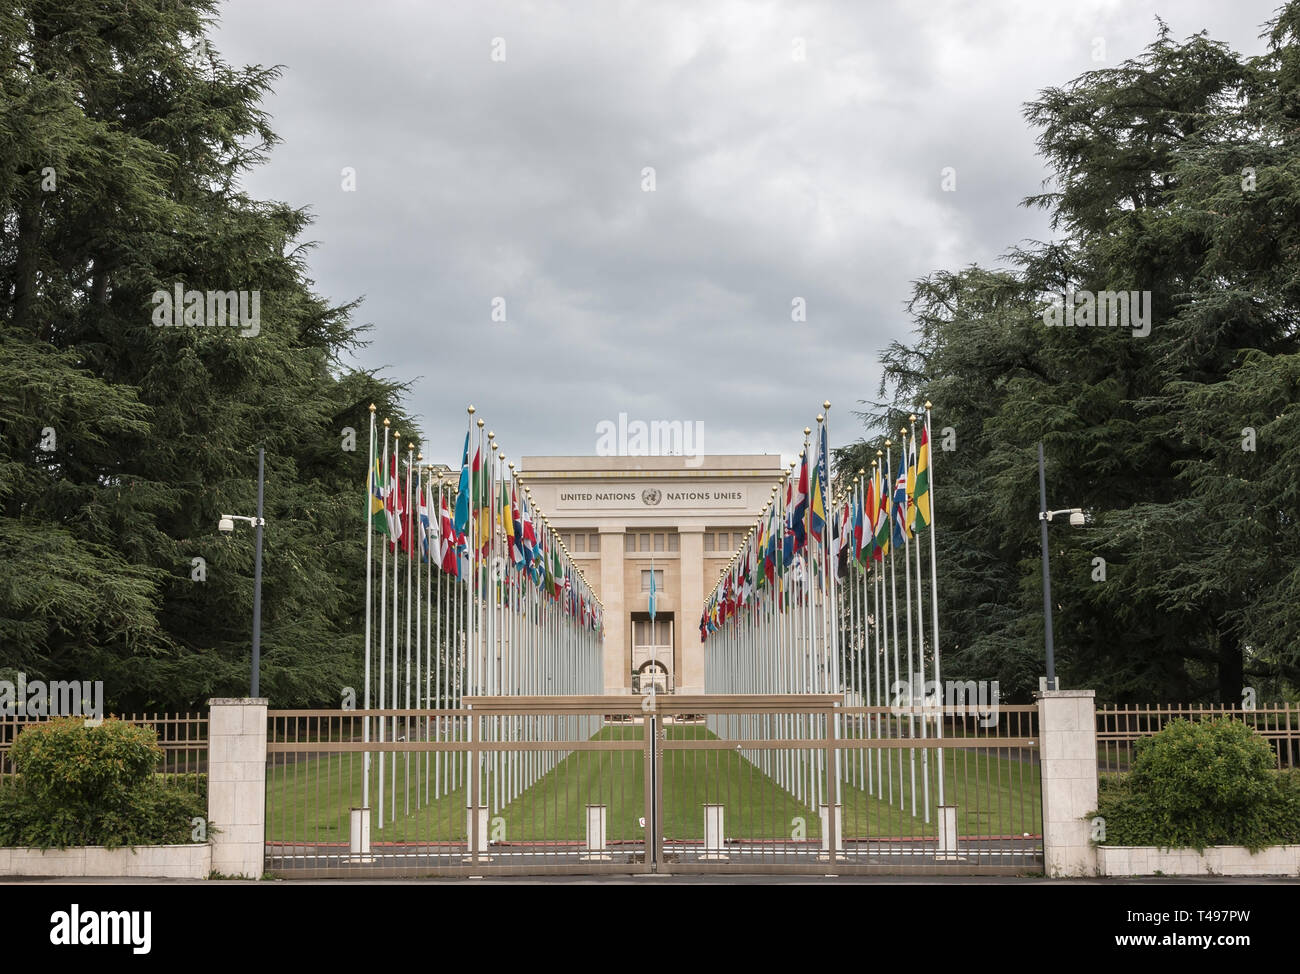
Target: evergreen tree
x=122, y=141
x=1174, y=174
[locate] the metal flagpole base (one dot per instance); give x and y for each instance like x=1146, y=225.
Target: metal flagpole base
x=825, y=854
x=359, y=835
x=596, y=847
x=482, y=835
x=714, y=835
x=948, y=835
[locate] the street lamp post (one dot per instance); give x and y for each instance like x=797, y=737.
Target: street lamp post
x=1044, y=515
x=226, y=525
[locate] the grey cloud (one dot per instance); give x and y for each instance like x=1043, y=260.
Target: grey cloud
x=775, y=178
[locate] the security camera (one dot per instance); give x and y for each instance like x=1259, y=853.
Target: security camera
x=225, y=525
x=1077, y=519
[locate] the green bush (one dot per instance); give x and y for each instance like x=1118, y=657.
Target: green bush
x=81, y=785
x=1198, y=784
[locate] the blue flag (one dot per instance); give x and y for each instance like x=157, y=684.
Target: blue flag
x=461, y=523
x=899, y=503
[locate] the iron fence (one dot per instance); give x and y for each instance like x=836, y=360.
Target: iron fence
x=182, y=737
x=1120, y=726
x=671, y=783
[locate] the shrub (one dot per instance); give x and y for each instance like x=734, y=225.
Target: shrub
x=81, y=785
x=1197, y=784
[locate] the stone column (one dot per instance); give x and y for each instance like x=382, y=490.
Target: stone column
x=618, y=677
x=1067, y=742
x=691, y=678
x=237, y=785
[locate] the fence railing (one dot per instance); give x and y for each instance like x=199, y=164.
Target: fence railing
x=1120, y=726
x=338, y=803
x=598, y=784
x=182, y=737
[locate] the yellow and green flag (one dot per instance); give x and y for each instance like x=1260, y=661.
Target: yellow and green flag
x=921, y=493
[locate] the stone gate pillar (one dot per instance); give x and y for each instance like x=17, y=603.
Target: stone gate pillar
x=1067, y=730
x=237, y=785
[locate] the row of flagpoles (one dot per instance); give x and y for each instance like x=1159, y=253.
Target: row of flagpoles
x=484, y=600
x=809, y=604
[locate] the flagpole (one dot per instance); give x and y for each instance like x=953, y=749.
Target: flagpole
x=397, y=561
x=893, y=599
x=859, y=595
x=492, y=596
x=436, y=660
x=654, y=661
x=920, y=635
x=907, y=593
x=410, y=553
x=884, y=691
x=934, y=594
x=832, y=608
x=431, y=536
x=874, y=680
x=470, y=666
x=370, y=495
x=806, y=618
x=383, y=623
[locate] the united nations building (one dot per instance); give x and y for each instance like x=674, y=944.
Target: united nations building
x=680, y=517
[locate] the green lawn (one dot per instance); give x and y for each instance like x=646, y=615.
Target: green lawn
x=309, y=801
x=994, y=794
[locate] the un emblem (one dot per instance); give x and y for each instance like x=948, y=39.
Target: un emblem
x=651, y=496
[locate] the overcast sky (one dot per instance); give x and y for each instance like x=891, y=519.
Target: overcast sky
x=798, y=151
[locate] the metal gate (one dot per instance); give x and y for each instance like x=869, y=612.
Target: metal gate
x=667, y=783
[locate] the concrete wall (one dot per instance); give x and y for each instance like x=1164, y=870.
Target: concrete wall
x=151, y=861
x=1222, y=860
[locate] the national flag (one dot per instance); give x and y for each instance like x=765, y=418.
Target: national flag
x=515, y=519
x=461, y=523
x=652, y=590
x=529, y=536
x=817, y=512
x=881, y=546
x=393, y=506
x=844, y=536
x=507, y=523
x=516, y=531
x=450, y=542
x=482, y=503
x=922, y=494
x=428, y=530
x=911, y=485
x=858, y=525
x=867, y=549
x=899, y=505
x=409, y=527
x=377, y=518
x=799, y=504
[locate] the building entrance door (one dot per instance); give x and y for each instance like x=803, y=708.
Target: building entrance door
x=652, y=652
